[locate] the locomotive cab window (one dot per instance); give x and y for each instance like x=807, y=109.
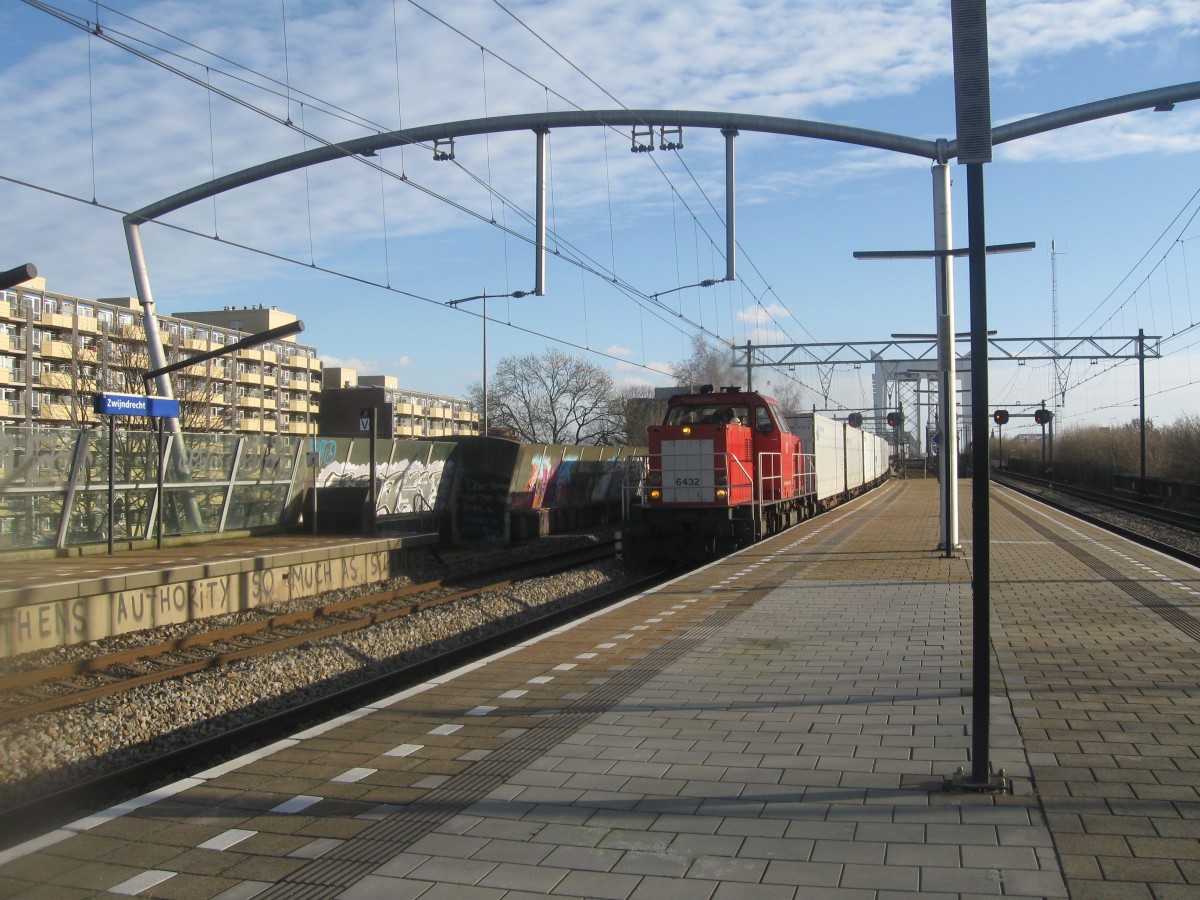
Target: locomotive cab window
x=716, y=414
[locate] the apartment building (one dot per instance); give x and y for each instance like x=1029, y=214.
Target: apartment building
x=414, y=414
x=56, y=351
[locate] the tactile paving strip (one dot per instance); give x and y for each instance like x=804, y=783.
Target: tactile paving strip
x=1180, y=618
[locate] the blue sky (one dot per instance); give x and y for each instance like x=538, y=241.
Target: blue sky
x=92, y=120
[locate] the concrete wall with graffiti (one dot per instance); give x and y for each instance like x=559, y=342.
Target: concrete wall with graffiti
x=408, y=473
x=558, y=487
x=486, y=490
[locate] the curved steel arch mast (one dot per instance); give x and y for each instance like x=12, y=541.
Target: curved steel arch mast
x=540, y=124
x=729, y=124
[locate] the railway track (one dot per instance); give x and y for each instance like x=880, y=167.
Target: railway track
x=45, y=689
x=1174, y=533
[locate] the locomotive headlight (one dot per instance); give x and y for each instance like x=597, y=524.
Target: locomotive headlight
x=722, y=493
x=655, y=494
x=687, y=429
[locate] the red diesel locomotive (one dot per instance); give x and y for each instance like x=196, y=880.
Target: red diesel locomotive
x=723, y=471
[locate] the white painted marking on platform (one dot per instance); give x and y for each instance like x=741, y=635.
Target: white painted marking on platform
x=350, y=776
x=299, y=803
x=404, y=750
x=143, y=882
x=226, y=839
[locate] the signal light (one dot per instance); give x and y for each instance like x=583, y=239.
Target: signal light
x=1042, y=416
x=855, y=420
x=1000, y=417
x=893, y=419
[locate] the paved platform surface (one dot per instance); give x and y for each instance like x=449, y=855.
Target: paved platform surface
x=779, y=724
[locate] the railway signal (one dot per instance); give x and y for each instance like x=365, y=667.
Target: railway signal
x=855, y=420
x=1043, y=416
x=1000, y=417
x=893, y=419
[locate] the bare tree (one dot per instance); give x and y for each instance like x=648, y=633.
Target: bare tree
x=789, y=395
x=125, y=356
x=554, y=398
x=707, y=365
x=636, y=409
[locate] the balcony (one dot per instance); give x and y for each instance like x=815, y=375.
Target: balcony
x=15, y=375
x=54, y=412
x=249, y=377
x=9, y=311
x=196, y=344
x=250, y=402
x=270, y=357
x=269, y=381
x=56, y=349
x=302, y=428
x=251, y=425
x=12, y=343
x=12, y=409
x=64, y=381
x=87, y=325
x=57, y=320
x=269, y=403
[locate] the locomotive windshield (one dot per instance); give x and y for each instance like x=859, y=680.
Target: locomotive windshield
x=709, y=414
x=727, y=414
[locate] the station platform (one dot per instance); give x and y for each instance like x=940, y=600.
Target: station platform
x=779, y=724
x=51, y=601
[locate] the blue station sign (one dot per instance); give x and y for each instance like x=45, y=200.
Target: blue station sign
x=109, y=404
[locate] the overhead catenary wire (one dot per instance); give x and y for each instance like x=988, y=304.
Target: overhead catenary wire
x=629, y=290
x=288, y=92
x=358, y=279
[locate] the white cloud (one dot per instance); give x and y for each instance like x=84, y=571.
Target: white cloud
x=1137, y=134
x=361, y=366
x=760, y=314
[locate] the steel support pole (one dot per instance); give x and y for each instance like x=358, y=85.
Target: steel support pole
x=730, y=207
x=981, y=533
x=539, y=266
x=947, y=364
x=111, y=467
x=1142, y=406
x=161, y=504
x=372, y=490
x=158, y=357
x=485, y=396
